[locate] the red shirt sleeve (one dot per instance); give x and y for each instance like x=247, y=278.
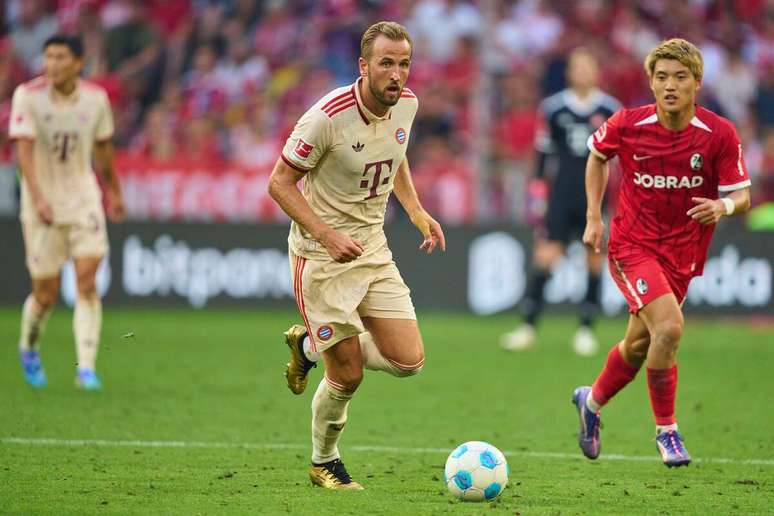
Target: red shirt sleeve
x=732, y=171
x=605, y=141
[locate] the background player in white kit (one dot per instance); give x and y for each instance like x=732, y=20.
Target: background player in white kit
x=57, y=120
x=350, y=150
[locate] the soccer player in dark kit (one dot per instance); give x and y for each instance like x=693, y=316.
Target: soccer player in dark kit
x=568, y=118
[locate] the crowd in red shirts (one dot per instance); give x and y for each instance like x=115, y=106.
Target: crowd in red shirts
x=214, y=82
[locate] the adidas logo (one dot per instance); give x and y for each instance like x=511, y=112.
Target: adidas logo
x=358, y=147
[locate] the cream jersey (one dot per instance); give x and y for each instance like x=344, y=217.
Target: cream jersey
x=64, y=131
x=350, y=158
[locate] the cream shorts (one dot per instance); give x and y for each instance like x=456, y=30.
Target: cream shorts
x=49, y=246
x=333, y=296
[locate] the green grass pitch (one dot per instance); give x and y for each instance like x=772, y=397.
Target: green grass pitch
x=195, y=418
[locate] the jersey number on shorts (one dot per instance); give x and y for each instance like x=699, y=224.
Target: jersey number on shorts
x=379, y=166
x=64, y=144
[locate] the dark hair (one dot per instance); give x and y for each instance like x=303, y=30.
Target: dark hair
x=71, y=42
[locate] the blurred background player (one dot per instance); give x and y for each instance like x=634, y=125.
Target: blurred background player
x=57, y=120
x=567, y=118
x=350, y=151
x=675, y=157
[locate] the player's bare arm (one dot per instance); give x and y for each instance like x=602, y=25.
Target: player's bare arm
x=24, y=152
x=103, y=155
x=427, y=225
x=596, y=182
x=710, y=211
x=283, y=189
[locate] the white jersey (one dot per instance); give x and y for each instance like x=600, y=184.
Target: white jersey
x=64, y=131
x=350, y=157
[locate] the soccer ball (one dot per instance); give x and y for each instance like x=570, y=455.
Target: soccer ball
x=476, y=471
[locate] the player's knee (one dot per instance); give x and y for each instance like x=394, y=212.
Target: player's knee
x=546, y=256
x=87, y=286
x=668, y=333
x=45, y=298
x=410, y=367
x=348, y=381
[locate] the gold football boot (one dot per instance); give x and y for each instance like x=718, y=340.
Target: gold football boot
x=332, y=475
x=297, y=370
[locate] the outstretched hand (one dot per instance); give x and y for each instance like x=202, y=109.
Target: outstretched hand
x=431, y=230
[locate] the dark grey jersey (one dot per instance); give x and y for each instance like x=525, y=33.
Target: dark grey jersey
x=565, y=124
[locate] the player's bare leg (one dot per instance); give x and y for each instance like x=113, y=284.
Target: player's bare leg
x=392, y=345
x=664, y=320
x=37, y=307
x=343, y=374
x=546, y=255
x=87, y=322
x=584, y=343
x=623, y=363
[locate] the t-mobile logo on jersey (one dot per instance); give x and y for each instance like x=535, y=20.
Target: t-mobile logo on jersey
x=649, y=181
x=374, y=184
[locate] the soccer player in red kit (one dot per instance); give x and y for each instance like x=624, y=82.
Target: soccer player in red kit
x=675, y=157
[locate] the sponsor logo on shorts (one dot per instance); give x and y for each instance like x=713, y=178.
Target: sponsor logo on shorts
x=302, y=149
x=325, y=332
x=696, y=162
x=400, y=135
x=649, y=181
x=642, y=286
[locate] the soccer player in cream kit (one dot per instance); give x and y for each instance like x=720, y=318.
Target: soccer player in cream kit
x=57, y=122
x=675, y=157
x=350, y=151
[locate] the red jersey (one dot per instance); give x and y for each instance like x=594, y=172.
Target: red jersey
x=662, y=171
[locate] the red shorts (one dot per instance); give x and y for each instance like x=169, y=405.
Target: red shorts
x=642, y=278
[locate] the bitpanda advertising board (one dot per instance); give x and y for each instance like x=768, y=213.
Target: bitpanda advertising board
x=484, y=270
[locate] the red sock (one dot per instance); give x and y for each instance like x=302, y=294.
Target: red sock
x=662, y=385
x=614, y=377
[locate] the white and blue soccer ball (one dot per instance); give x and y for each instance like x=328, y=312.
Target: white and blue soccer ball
x=476, y=471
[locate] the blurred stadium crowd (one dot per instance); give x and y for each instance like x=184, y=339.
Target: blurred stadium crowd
x=217, y=83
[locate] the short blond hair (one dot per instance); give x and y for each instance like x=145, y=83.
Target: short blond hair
x=392, y=30
x=680, y=50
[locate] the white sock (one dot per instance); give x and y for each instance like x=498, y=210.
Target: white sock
x=329, y=415
x=87, y=323
x=33, y=322
x=312, y=356
x=666, y=428
x=375, y=361
x=592, y=405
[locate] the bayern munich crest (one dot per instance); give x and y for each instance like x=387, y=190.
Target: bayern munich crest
x=324, y=332
x=400, y=135
x=696, y=162
x=642, y=286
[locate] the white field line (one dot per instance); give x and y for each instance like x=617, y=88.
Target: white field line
x=36, y=441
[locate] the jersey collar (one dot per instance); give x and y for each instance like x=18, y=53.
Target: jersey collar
x=582, y=107
x=71, y=98
x=365, y=114
x=695, y=121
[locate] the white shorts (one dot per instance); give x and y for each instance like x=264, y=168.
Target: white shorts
x=49, y=246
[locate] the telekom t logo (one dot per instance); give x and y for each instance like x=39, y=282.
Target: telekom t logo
x=372, y=186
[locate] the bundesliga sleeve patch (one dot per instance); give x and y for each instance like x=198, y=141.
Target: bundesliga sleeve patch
x=302, y=150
